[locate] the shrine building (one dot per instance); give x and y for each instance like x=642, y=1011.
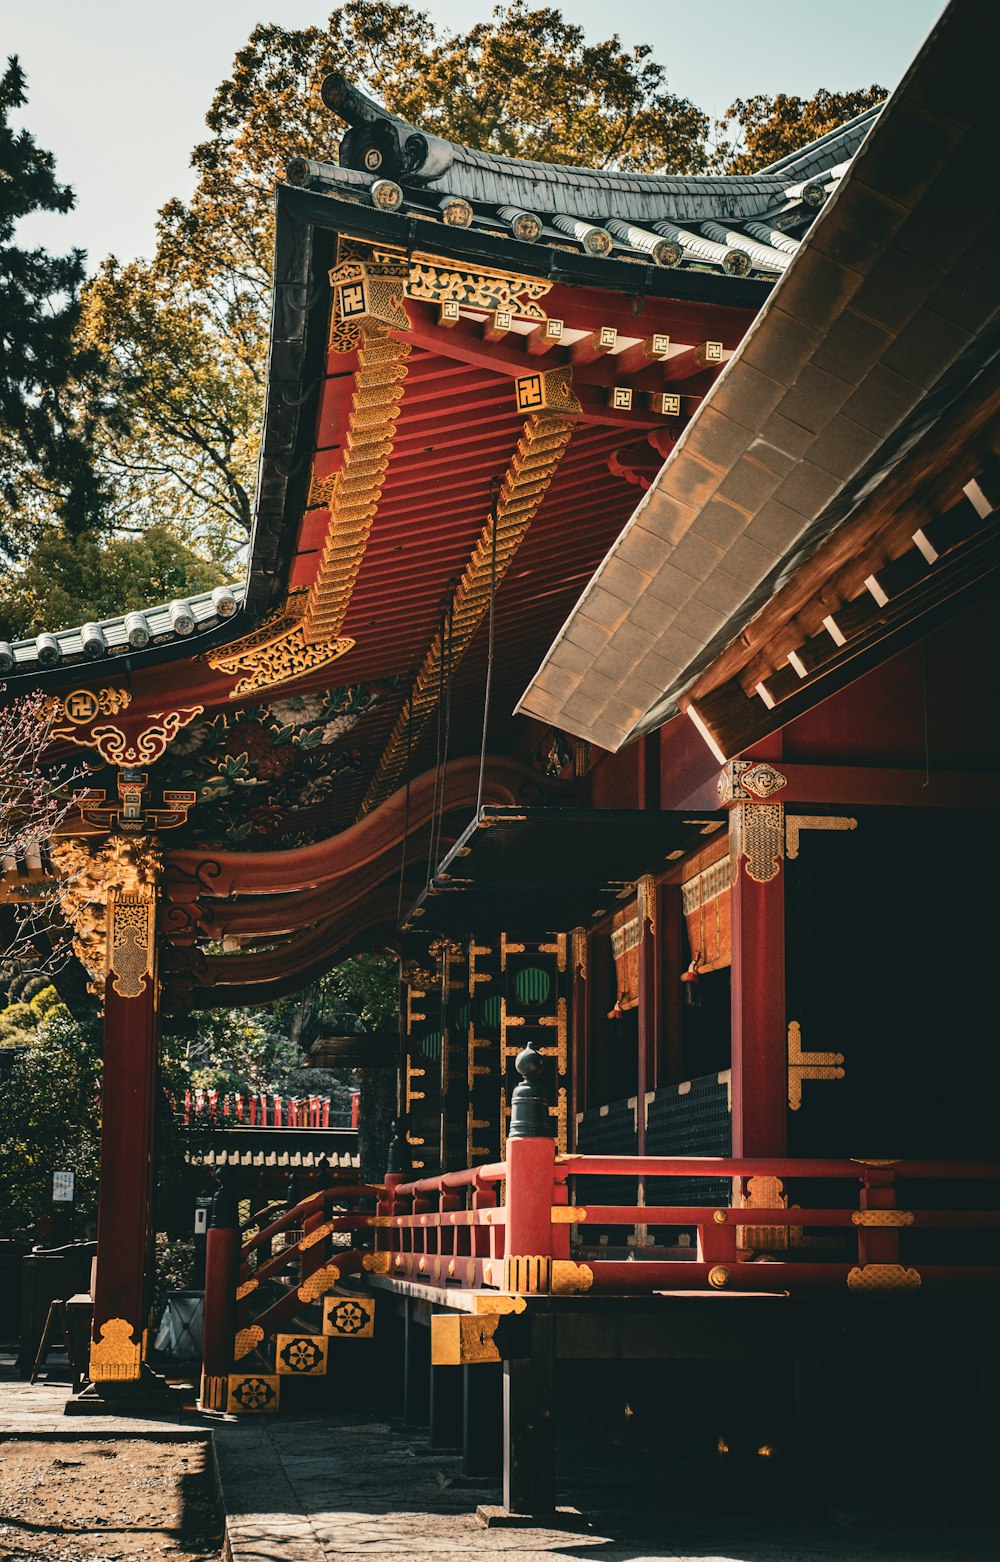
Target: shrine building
x=617, y=650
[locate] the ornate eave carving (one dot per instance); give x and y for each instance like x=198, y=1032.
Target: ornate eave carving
x=280, y=651
x=110, y=887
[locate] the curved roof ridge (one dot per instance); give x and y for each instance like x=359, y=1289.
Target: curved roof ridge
x=834, y=147
x=380, y=143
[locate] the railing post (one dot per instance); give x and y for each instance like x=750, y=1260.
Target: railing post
x=877, y=1244
x=530, y=1181
x=314, y=1257
x=222, y=1266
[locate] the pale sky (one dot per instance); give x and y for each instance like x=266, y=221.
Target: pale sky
x=118, y=89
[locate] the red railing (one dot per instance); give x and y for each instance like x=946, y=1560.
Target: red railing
x=453, y=1230
x=213, y=1107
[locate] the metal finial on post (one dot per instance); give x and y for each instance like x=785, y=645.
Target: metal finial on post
x=399, y=1162
x=529, y=1106
x=225, y=1207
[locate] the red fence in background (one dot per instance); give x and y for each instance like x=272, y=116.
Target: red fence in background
x=215, y=1108
x=453, y=1228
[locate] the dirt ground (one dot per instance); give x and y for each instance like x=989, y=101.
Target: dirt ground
x=104, y=1501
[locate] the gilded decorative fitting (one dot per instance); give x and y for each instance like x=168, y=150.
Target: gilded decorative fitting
x=547, y=390
x=377, y=1263
x=456, y=212
x=529, y=1275
x=882, y=1217
x=720, y=1216
x=319, y=1283
x=567, y=1214
x=719, y=1277
x=744, y=779
x=115, y=1357
x=808, y=1065
x=883, y=1277
x=796, y=823
x=247, y=1340
x=245, y=1289
x=569, y=1279
x=756, y=835
x=280, y=651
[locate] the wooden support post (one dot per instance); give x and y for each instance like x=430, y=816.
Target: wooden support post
x=124, y=1236
x=759, y=1040
x=482, y=1420
x=529, y=1474
x=647, y=1028
x=579, y=944
x=878, y=1244
x=416, y=1366
x=222, y=1272
x=760, y=1047
x=445, y=1406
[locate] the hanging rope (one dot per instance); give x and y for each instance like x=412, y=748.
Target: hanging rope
x=447, y=658
x=494, y=512
x=440, y=739
x=406, y=810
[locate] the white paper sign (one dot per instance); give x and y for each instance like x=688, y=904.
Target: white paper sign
x=62, y=1187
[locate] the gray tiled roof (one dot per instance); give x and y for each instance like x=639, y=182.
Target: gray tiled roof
x=380, y=146
x=110, y=637
x=870, y=335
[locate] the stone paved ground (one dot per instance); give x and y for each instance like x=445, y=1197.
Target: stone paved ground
x=341, y=1488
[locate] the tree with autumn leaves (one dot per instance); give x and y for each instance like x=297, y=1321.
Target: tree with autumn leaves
x=154, y=407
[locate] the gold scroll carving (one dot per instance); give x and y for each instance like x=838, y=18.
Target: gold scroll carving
x=278, y=652
x=131, y=942
x=370, y=285
x=92, y=882
x=757, y=834
x=539, y=451
x=431, y=282
x=116, y=1357
x=115, y=745
x=808, y=1065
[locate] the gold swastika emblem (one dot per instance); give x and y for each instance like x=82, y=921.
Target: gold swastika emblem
x=81, y=706
x=530, y=393
x=353, y=301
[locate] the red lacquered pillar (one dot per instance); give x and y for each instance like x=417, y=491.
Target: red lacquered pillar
x=222, y=1273
x=131, y=1032
x=759, y=1039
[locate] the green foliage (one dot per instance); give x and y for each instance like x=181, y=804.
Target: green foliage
x=19, y=1022
x=366, y=986
x=194, y=395
x=174, y=1268
x=233, y=1051
x=767, y=128
x=50, y=383
x=70, y=580
x=50, y=1118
